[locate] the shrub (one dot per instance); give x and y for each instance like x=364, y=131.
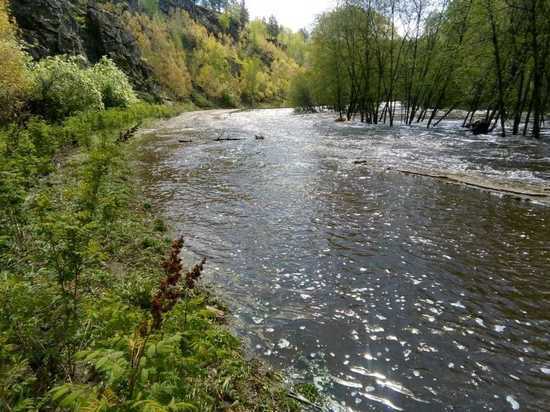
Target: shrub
x=115, y=88
x=64, y=87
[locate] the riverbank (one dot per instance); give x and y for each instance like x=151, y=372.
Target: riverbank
x=92, y=317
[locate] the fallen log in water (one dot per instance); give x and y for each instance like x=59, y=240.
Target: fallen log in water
x=480, y=183
x=520, y=191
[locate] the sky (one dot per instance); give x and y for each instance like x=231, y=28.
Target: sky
x=295, y=14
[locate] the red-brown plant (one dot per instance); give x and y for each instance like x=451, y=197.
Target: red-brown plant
x=170, y=292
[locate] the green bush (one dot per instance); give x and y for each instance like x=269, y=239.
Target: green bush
x=113, y=84
x=300, y=94
x=14, y=73
x=63, y=87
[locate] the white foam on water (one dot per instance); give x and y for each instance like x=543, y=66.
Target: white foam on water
x=349, y=384
x=515, y=404
x=283, y=344
x=383, y=401
x=458, y=305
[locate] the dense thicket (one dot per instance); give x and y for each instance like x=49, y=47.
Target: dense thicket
x=416, y=61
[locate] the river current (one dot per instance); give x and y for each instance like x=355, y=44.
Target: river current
x=391, y=292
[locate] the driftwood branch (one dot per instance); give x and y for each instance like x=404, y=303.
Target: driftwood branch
x=301, y=399
x=473, y=182
x=126, y=135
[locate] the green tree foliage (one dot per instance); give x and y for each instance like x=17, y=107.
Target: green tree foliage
x=63, y=86
x=252, y=81
x=212, y=70
x=160, y=42
x=273, y=28
x=301, y=95
x=411, y=62
x=215, y=69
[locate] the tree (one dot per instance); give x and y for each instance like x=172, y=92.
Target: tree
x=244, y=16
x=273, y=28
x=417, y=61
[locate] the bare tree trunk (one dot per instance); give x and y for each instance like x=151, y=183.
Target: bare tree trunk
x=498, y=66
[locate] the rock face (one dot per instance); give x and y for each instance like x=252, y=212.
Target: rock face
x=52, y=27
x=88, y=28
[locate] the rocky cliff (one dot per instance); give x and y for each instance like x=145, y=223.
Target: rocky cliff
x=52, y=27
x=88, y=28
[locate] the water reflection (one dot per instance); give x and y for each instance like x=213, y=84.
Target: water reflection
x=391, y=292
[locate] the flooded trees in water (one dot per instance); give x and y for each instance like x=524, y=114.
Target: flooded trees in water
x=387, y=61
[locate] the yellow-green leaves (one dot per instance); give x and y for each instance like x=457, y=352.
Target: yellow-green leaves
x=65, y=85
x=14, y=74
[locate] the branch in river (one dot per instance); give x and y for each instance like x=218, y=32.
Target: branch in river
x=519, y=191
x=124, y=136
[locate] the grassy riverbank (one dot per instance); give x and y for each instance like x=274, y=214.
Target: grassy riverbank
x=90, y=320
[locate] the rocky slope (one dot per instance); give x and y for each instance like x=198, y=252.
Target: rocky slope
x=88, y=28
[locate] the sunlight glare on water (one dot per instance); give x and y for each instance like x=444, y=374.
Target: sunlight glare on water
x=390, y=292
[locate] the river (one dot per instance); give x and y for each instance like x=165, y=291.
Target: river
x=389, y=291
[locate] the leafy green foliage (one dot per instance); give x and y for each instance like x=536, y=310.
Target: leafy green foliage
x=216, y=69
x=489, y=56
x=80, y=279
x=116, y=90
x=64, y=86
x=80, y=268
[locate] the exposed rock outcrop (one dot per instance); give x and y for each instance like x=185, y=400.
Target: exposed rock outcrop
x=52, y=27
x=90, y=29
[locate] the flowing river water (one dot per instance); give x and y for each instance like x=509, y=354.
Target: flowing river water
x=389, y=291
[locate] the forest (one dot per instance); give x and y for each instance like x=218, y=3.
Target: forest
x=247, y=63
x=417, y=61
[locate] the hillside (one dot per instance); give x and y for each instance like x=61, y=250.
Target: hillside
x=170, y=49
